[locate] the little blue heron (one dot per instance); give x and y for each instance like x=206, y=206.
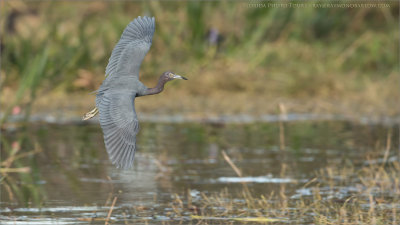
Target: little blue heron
x=116, y=96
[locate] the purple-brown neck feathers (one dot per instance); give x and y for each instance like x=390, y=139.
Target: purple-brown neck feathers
x=159, y=87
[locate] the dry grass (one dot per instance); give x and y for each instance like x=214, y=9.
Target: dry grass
x=368, y=195
x=17, y=186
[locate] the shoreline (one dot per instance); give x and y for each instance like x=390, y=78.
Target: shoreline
x=220, y=119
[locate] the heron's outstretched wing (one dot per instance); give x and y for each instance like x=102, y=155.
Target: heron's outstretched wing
x=130, y=50
x=120, y=125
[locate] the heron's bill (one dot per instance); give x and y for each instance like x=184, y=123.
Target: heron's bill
x=179, y=77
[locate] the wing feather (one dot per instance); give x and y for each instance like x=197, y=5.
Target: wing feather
x=128, y=54
x=120, y=126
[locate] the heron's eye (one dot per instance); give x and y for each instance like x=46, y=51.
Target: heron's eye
x=170, y=75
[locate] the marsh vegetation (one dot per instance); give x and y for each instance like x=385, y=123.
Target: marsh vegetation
x=289, y=115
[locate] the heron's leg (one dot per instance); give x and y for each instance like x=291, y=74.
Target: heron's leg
x=90, y=114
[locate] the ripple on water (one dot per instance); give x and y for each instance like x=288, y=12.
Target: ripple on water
x=260, y=179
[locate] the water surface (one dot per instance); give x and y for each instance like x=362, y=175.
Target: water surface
x=73, y=182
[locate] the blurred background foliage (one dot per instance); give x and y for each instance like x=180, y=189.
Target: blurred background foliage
x=238, y=59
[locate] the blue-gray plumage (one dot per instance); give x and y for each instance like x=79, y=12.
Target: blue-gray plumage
x=116, y=96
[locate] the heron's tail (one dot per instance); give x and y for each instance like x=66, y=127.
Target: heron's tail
x=90, y=114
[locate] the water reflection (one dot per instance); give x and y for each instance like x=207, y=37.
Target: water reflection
x=72, y=179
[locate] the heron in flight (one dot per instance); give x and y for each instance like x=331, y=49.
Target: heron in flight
x=115, y=99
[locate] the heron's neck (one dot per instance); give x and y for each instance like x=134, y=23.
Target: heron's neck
x=158, y=88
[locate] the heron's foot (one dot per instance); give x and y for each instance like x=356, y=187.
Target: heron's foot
x=90, y=114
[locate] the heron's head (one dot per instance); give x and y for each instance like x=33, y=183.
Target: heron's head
x=171, y=76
